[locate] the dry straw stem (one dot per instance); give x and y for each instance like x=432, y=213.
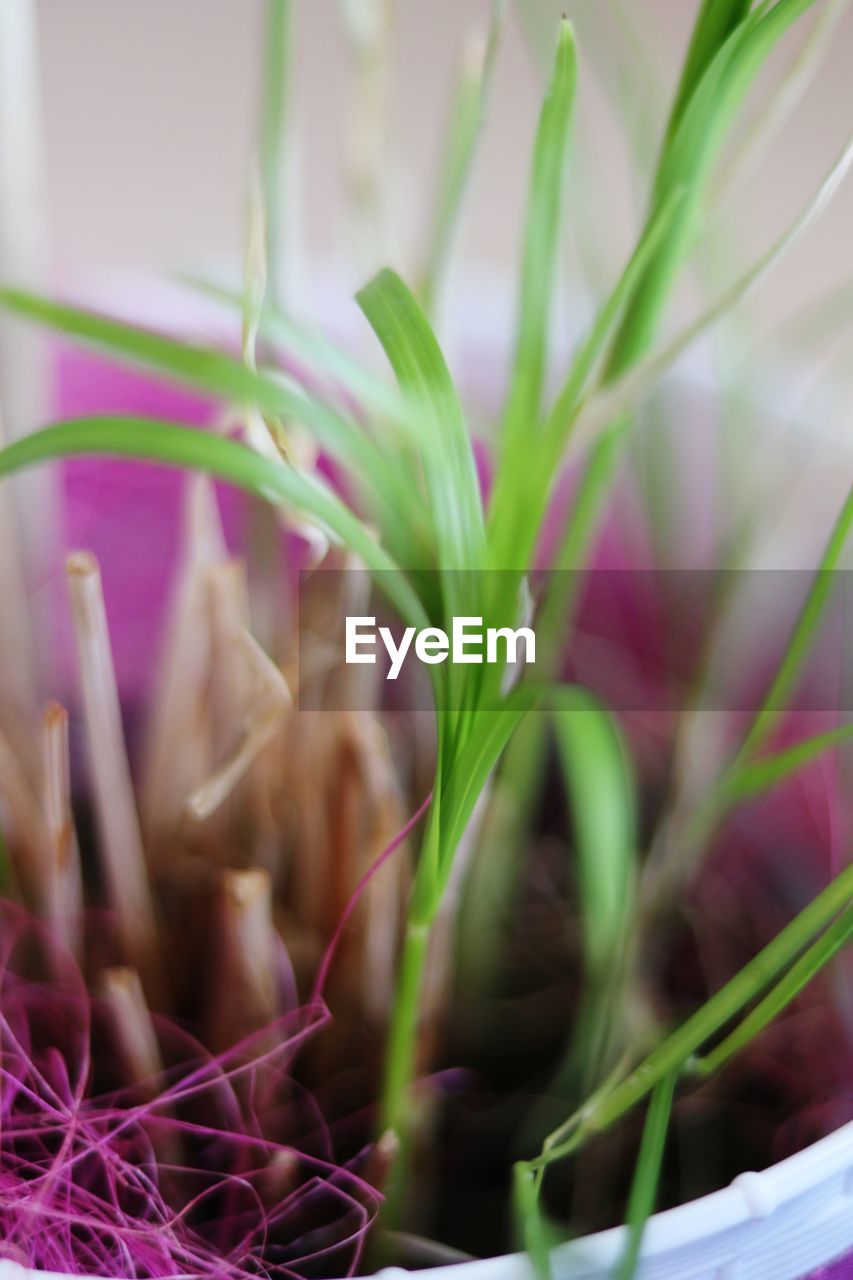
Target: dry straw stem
x=178, y=754
x=17, y=688
x=229, y=683
x=64, y=885
x=248, y=688
x=137, y=1048
x=309, y=772
x=464, y=126
x=28, y=842
x=120, y=838
x=244, y=995
x=344, y=758
x=381, y=798
x=131, y=1024
x=326, y=752
x=369, y=25
x=329, y=844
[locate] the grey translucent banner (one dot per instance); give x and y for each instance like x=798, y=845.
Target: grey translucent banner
x=642, y=640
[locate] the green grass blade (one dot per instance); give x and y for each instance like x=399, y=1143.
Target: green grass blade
x=644, y=1185
x=700, y=123
x=180, y=446
x=322, y=359
x=276, y=49
x=476, y=759
x=752, y=979
x=513, y=524
x=219, y=375
x=621, y=395
x=534, y=1236
x=805, y=630
x=689, y=154
x=758, y=776
x=202, y=367
x=837, y=936
x=448, y=461
x=520, y=479
x=205, y=368
x=742, y=781
x=683, y=1044
x=715, y=22
x=592, y=348
x=600, y=789
x=783, y=102
x=464, y=127
x=539, y=263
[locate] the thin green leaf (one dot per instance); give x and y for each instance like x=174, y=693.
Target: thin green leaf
x=538, y=271
x=322, y=359
x=221, y=375
x=715, y=22
x=742, y=781
x=837, y=936
x=603, y=813
x=368, y=26
x=206, y=368
x=644, y=1185
x=477, y=758
x=700, y=122
x=464, y=127
x=782, y=103
x=609, y=405
x=602, y=809
x=533, y=1231
x=272, y=131
x=700, y=126
x=682, y=1045
x=758, y=776
x=447, y=457
x=805, y=629
x=521, y=483
x=513, y=525
x=561, y=416
x=180, y=446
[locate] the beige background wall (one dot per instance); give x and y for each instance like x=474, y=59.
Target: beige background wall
x=149, y=109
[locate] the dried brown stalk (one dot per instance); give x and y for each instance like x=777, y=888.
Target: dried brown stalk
x=386, y=895
x=245, y=989
x=17, y=684
x=370, y=29
x=27, y=836
x=121, y=846
x=248, y=690
x=230, y=681
x=178, y=752
x=64, y=887
x=130, y=1021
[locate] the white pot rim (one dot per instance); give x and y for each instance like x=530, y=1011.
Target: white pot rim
x=781, y=1224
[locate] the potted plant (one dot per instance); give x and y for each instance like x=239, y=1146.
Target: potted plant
x=303, y=974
